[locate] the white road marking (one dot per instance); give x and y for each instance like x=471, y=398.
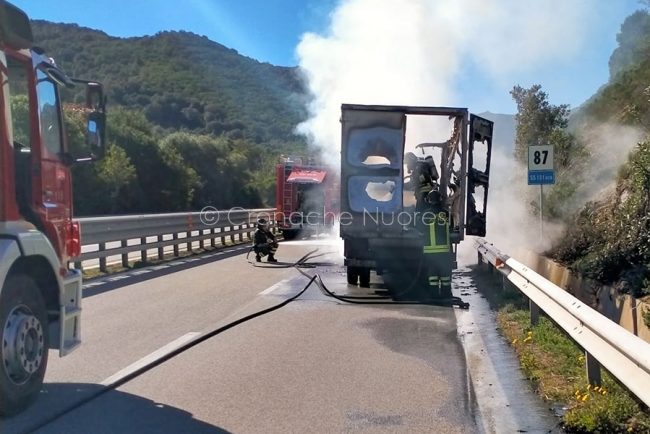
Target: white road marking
x=273, y=287
x=116, y=278
x=156, y=355
x=159, y=267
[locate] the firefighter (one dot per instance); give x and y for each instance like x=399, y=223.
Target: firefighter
x=438, y=258
x=265, y=242
x=424, y=177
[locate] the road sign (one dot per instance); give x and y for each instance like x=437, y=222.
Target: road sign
x=540, y=165
x=539, y=177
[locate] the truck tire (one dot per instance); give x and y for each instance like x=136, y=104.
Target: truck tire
x=25, y=343
x=289, y=234
x=353, y=275
x=364, y=277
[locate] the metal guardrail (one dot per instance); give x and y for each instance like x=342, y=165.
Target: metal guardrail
x=624, y=355
x=121, y=235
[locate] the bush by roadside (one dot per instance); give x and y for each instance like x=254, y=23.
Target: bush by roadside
x=609, y=241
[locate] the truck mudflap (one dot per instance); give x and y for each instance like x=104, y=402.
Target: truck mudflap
x=70, y=313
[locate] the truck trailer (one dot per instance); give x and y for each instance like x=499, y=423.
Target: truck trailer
x=40, y=295
x=405, y=207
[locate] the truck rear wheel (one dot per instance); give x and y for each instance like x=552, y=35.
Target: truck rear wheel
x=25, y=343
x=364, y=277
x=353, y=275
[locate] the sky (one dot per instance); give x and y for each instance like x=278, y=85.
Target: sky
x=562, y=45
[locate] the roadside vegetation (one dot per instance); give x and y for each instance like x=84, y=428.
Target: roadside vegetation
x=555, y=365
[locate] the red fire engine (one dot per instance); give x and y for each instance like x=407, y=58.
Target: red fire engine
x=307, y=197
x=40, y=297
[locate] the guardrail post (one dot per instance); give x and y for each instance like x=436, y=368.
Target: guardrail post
x=593, y=370
x=143, y=253
x=189, y=245
x=125, y=256
x=201, y=243
x=213, y=242
x=161, y=250
x=223, y=239
x=102, y=260
x=241, y=235
x=534, y=312
x=232, y=236
x=175, y=238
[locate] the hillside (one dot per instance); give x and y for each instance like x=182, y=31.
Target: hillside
x=183, y=81
x=610, y=238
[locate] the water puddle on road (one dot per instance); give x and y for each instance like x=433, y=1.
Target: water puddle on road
x=505, y=398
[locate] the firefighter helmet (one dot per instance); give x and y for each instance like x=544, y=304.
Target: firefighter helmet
x=410, y=159
x=262, y=223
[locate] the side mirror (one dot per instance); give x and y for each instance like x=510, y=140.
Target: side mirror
x=95, y=99
x=96, y=121
x=95, y=134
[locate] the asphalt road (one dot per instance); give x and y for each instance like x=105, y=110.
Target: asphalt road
x=314, y=365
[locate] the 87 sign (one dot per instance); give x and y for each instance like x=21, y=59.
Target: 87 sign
x=540, y=165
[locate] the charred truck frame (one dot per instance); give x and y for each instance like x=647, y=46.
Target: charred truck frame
x=380, y=231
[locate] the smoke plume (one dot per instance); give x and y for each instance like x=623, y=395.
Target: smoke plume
x=608, y=145
x=420, y=52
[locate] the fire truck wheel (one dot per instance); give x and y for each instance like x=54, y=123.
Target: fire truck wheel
x=364, y=277
x=353, y=275
x=24, y=326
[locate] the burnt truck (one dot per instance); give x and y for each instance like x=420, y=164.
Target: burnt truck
x=307, y=196
x=377, y=203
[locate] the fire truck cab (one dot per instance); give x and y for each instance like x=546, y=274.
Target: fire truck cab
x=40, y=296
x=307, y=197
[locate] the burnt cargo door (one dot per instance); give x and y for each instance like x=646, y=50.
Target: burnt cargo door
x=372, y=149
x=478, y=174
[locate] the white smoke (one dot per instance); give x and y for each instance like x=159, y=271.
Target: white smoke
x=414, y=52
x=419, y=52
x=609, y=145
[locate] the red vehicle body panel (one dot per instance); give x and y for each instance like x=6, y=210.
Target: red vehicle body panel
x=294, y=179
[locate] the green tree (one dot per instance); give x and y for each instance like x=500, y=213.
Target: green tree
x=542, y=123
x=116, y=173
x=164, y=181
x=223, y=168
x=99, y=186
x=537, y=119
